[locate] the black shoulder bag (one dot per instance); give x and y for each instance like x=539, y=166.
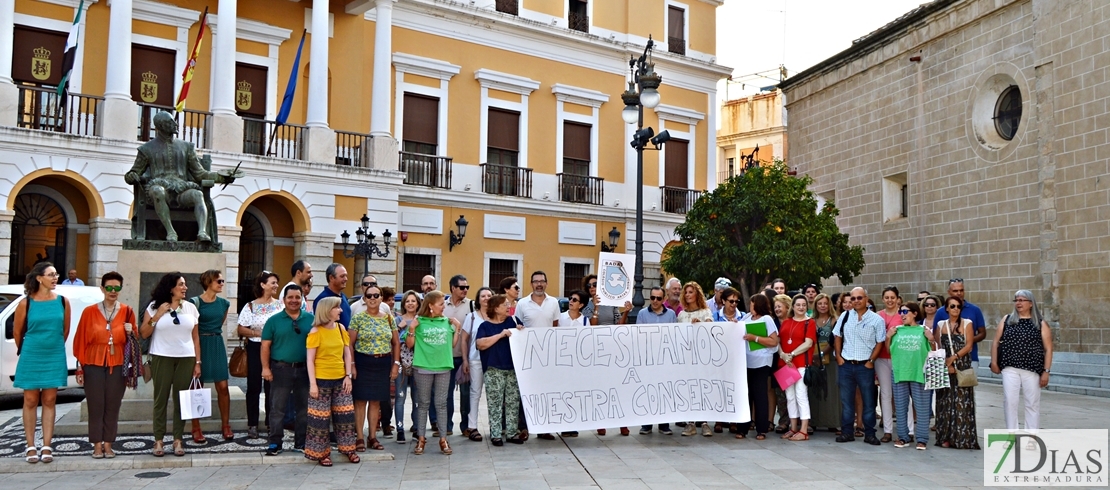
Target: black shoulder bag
x=816, y=378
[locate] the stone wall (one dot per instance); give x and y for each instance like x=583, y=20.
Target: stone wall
x=1029, y=213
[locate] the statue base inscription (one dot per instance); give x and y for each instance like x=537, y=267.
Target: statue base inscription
x=167, y=246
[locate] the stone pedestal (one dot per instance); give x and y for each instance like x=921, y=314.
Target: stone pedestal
x=380, y=152
x=6, y=218
x=9, y=104
x=318, y=145
x=225, y=133
x=118, y=120
x=318, y=249
x=142, y=269
x=106, y=236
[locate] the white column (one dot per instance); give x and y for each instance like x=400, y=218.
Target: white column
x=119, y=114
x=223, y=91
x=383, y=54
x=117, y=83
x=8, y=91
x=318, y=67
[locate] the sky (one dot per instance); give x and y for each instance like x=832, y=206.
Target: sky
x=759, y=35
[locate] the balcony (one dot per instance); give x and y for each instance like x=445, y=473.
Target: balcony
x=676, y=45
x=581, y=189
x=191, y=125
x=579, y=22
x=508, y=6
x=426, y=170
x=348, y=147
x=42, y=109
x=678, y=200
x=268, y=138
x=505, y=180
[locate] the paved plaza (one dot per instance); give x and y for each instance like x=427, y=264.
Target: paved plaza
x=609, y=462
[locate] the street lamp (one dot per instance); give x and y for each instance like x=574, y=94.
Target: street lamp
x=457, y=239
x=611, y=246
x=642, y=92
x=366, y=247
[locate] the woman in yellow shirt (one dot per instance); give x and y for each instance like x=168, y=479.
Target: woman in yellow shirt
x=329, y=391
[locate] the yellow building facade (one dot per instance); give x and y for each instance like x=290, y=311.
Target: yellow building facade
x=411, y=113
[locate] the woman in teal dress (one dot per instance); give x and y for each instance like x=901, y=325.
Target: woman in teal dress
x=41, y=329
x=213, y=351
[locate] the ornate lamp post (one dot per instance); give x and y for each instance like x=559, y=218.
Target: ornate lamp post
x=366, y=248
x=642, y=92
x=611, y=245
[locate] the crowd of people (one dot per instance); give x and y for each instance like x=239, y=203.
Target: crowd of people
x=338, y=370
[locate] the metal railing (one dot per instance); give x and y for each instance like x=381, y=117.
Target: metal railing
x=678, y=200
x=724, y=175
x=425, y=170
x=506, y=180
x=348, y=148
x=41, y=108
x=508, y=6
x=268, y=138
x=581, y=189
x=191, y=125
x=579, y=22
x=676, y=45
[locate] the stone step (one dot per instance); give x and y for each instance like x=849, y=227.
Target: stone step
x=136, y=415
x=1063, y=382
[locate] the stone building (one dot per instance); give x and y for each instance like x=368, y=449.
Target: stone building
x=411, y=113
x=752, y=131
x=968, y=139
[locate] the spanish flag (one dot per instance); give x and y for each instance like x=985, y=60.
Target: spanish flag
x=187, y=75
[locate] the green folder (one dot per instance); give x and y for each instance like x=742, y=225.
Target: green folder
x=759, y=329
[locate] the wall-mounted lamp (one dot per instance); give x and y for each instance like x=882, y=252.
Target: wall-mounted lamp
x=457, y=239
x=611, y=246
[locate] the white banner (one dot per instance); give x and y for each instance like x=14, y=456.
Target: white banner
x=614, y=278
x=628, y=375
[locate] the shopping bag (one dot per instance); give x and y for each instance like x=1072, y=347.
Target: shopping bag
x=936, y=372
x=196, y=402
x=787, y=375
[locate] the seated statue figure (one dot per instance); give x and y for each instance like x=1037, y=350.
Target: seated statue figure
x=169, y=174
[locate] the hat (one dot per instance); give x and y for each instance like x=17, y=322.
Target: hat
x=722, y=283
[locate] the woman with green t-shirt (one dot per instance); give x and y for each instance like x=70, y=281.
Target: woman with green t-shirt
x=432, y=340
x=909, y=346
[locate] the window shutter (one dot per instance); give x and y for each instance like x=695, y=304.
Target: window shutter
x=421, y=122
x=576, y=141
x=504, y=129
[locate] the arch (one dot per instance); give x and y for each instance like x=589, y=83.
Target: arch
x=40, y=223
x=297, y=212
x=87, y=190
x=662, y=255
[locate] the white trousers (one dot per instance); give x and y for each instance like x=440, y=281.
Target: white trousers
x=885, y=372
x=797, y=398
x=476, y=382
x=1027, y=384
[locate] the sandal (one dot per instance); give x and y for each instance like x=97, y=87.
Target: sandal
x=475, y=435
x=178, y=448
x=98, y=452
x=886, y=438
x=198, y=435
x=325, y=461
x=859, y=432
x=741, y=436
x=158, y=451
x=799, y=436
x=360, y=445
x=31, y=458
x=375, y=445
x=46, y=458
x=352, y=457
x=522, y=435
x=419, y=449
x=108, y=453
x=760, y=437
x=601, y=432
x=624, y=431
x=444, y=447
x=228, y=434
x=788, y=434
x=921, y=446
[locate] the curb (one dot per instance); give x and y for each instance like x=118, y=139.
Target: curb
x=140, y=462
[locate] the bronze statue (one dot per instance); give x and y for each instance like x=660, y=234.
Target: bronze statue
x=168, y=174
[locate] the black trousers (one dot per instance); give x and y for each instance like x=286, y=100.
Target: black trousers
x=255, y=384
x=757, y=395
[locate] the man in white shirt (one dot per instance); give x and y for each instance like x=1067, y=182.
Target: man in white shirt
x=721, y=284
x=301, y=273
x=72, y=280
x=538, y=310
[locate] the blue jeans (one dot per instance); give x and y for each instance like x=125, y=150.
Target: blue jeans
x=849, y=377
x=922, y=404
x=404, y=384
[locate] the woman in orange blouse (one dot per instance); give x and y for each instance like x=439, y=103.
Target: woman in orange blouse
x=98, y=346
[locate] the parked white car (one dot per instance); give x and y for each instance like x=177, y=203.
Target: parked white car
x=11, y=295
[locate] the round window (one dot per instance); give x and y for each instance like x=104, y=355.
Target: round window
x=1007, y=112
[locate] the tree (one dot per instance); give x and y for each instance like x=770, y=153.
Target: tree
x=760, y=225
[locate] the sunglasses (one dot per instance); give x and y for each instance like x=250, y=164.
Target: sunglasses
x=955, y=306
x=903, y=311
x=573, y=300
x=369, y=284
x=732, y=301
x=220, y=281
x=657, y=298
x=113, y=289
x=930, y=305
x=592, y=284
x=296, y=329
x=516, y=287
x=464, y=288
x=955, y=280
x=373, y=296
x=856, y=298
x=176, y=320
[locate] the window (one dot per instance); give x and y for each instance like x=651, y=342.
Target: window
x=675, y=174
x=572, y=277
x=895, y=197
x=676, y=30
x=500, y=269
x=508, y=6
x=578, y=18
x=576, y=148
x=416, y=267
x=503, y=147
x=1007, y=112
x=421, y=124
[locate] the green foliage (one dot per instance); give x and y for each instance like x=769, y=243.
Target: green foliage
x=760, y=225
